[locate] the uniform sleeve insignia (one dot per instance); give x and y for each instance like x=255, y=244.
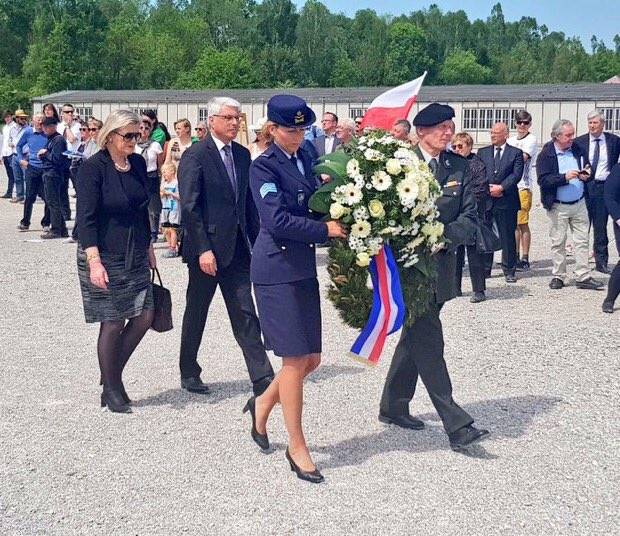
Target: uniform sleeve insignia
x=268, y=188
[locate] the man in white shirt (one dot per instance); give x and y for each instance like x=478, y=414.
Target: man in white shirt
x=527, y=143
x=327, y=143
x=7, y=152
x=68, y=128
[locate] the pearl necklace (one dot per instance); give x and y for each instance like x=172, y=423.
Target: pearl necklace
x=123, y=168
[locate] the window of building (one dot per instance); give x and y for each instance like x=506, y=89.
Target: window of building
x=140, y=111
x=203, y=113
x=485, y=118
x=612, y=119
x=84, y=112
x=357, y=112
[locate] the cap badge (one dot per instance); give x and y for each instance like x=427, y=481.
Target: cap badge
x=299, y=118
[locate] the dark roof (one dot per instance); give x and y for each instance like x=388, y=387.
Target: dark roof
x=522, y=93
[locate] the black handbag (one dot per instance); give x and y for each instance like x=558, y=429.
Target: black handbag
x=162, y=320
x=486, y=239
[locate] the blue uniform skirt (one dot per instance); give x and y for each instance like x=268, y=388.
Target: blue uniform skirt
x=290, y=317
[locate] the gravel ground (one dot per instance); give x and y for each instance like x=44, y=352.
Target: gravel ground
x=534, y=366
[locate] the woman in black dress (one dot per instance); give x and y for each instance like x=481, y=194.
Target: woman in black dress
x=612, y=201
x=114, y=253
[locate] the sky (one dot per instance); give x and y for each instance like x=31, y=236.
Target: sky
x=573, y=17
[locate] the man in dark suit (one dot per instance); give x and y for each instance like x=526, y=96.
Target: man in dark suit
x=504, y=167
x=328, y=141
x=420, y=349
x=603, y=150
x=220, y=225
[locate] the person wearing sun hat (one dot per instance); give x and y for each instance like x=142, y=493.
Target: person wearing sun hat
x=420, y=348
x=283, y=271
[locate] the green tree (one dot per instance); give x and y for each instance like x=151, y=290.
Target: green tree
x=461, y=67
x=213, y=70
x=406, y=56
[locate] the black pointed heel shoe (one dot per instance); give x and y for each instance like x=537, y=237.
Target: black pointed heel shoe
x=260, y=439
x=315, y=477
x=115, y=402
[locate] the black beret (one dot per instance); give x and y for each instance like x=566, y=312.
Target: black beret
x=433, y=114
x=48, y=121
x=290, y=111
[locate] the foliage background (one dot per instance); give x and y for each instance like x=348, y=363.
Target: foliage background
x=53, y=45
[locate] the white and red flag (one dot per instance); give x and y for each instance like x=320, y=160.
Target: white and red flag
x=393, y=105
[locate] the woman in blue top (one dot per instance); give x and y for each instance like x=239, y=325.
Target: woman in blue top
x=283, y=270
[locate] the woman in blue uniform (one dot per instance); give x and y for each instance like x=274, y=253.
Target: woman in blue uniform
x=283, y=271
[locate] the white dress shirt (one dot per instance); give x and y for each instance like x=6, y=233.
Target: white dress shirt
x=330, y=141
x=602, y=171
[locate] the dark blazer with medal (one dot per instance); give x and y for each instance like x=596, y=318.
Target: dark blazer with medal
x=284, y=249
x=507, y=175
x=211, y=214
x=457, y=211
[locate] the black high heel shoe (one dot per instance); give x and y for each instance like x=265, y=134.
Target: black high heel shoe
x=260, y=439
x=122, y=390
x=315, y=477
x=115, y=402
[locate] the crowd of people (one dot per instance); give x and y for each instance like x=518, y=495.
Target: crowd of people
x=239, y=218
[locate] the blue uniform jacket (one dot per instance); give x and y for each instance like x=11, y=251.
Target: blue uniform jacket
x=284, y=249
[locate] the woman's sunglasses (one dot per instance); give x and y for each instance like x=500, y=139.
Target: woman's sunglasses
x=459, y=146
x=129, y=136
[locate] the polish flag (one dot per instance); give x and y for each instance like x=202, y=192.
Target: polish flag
x=392, y=105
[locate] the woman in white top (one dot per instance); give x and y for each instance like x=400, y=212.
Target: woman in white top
x=151, y=151
x=263, y=138
x=178, y=144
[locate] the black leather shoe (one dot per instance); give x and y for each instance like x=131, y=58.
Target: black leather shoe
x=466, y=436
x=511, y=278
x=194, y=384
x=260, y=439
x=260, y=386
x=608, y=307
x=603, y=269
x=113, y=399
x=556, y=283
x=310, y=476
x=404, y=421
x=50, y=236
x=591, y=284
x=478, y=297
x=7, y=196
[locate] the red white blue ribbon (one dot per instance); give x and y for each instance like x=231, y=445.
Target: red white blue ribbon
x=388, y=308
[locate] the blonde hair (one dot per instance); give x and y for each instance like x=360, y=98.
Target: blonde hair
x=464, y=137
x=168, y=167
x=185, y=123
x=116, y=120
x=265, y=132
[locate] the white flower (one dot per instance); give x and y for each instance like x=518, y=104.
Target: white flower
x=407, y=191
x=362, y=259
x=360, y=213
x=355, y=243
x=376, y=208
x=373, y=155
x=393, y=166
x=433, y=231
x=352, y=194
x=336, y=211
x=361, y=229
x=353, y=168
x=359, y=181
x=381, y=180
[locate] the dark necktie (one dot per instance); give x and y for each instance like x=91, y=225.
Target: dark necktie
x=498, y=157
x=432, y=163
x=230, y=168
x=596, y=156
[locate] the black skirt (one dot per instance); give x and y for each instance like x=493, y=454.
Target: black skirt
x=129, y=291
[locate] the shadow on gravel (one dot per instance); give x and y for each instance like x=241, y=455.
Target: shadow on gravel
x=505, y=418
x=219, y=391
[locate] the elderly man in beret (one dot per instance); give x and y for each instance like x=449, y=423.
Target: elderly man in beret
x=420, y=349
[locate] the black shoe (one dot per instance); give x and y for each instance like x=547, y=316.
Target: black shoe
x=511, y=278
x=478, y=297
x=194, y=384
x=22, y=227
x=591, y=284
x=310, y=476
x=49, y=235
x=603, y=269
x=404, y=421
x=523, y=266
x=125, y=395
x=260, y=439
x=7, y=196
x=556, y=283
x=466, y=436
x=260, y=386
x=608, y=307
x=114, y=400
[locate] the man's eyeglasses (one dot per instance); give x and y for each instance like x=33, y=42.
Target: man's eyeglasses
x=229, y=118
x=522, y=122
x=128, y=136
x=199, y=128
x=67, y=111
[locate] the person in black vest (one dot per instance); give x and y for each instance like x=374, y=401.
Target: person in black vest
x=504, y=167
x=420, y=348
x=220, y=225
x=603, y=150
x=612, y=200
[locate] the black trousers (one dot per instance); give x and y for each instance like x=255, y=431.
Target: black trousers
x=506, y=224
x=613, y=285
x=476, y=268
x=64, y=197
x=54, y=186
x=598, y=214
x=154, y=203
x=420, y=353
x=9, y=173
x=34, y=188
x=234, y=283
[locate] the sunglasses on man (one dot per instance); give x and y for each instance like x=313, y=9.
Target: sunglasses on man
x=520, y=122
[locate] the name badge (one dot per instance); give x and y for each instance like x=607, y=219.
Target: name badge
x=452, y=183
x=301, y=197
